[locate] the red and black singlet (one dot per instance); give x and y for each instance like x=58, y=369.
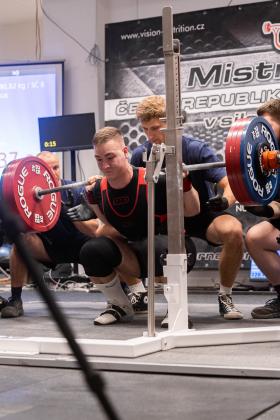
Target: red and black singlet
x=126, y=208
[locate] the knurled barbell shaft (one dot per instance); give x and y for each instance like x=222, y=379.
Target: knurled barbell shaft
x=270, y=160
x=203, y=166
x=189, y=168
x=186, y=168
x=62, y=187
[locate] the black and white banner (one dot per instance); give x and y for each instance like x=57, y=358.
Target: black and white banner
x=230, y=64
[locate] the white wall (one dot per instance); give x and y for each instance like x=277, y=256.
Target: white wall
x=78, y=19
x=17, y=42
x=121, y=10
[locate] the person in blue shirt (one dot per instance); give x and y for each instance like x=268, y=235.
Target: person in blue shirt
x=61, y=244
x=213, y=224
x=263, y=239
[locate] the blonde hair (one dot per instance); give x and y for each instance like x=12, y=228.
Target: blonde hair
x=271, y=107
x=105, y=134
x=150, y=108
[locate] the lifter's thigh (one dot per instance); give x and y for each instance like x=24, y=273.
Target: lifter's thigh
x=263, y=236
x=36, y=247
x=129, y=264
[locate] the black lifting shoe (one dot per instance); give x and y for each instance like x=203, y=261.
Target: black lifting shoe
x=271, y=309
x=227, y=308
x=139, y=302
x=3, y=303
x=13, y=309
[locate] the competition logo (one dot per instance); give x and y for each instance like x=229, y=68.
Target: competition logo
x=274, y=29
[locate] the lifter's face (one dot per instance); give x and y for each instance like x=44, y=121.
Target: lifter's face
x=152, y=130
x=275, y=124
x=112, y=158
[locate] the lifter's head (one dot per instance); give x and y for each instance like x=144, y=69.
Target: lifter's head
x=270, y=110
x=111, y=153
x=52, y=160
x=149, y=111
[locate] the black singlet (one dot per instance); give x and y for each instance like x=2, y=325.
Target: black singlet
x=126, y=208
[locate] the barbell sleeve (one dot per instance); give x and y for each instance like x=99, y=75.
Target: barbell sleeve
x=270, y=159
x=39, y=192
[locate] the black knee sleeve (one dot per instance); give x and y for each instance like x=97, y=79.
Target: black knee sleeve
x=99, y=257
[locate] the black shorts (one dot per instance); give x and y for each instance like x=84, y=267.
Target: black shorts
x=197, y=226
x=141, y=251
x=161, y=249
x=64, y=251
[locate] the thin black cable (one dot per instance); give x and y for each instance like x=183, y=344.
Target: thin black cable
x=82, y=173
x=265, y=410
x=89, y=52
x=13, y=227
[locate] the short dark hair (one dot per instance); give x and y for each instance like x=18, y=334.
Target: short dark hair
x=105, y=134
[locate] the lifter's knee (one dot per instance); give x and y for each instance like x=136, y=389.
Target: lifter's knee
x=100, y=256
x=236, y=232
x=254, y=237
x=233, y=234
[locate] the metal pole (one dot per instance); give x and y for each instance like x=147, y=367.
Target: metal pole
x=176, y=262
x=189, y=168
x=176, y=240
x=39, y=192
x=150, y=165
x=203, y=166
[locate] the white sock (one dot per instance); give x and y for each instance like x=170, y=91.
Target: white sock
x=225, y=290
x=114, y=293
x=137, y=288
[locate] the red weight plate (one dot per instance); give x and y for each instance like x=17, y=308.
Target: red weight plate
x=20, y=180
x=229, y=161
x=232, y=155
x=230, y=145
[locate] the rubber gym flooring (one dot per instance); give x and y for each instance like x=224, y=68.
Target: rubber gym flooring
x=161, y=388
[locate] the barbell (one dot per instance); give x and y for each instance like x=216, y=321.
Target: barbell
x=252, y=158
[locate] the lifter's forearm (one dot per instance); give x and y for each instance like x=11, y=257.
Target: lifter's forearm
x=191, y=203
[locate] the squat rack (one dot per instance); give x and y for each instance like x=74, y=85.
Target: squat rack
x=178, y=335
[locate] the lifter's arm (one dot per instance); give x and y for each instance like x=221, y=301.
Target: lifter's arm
x=190, y=197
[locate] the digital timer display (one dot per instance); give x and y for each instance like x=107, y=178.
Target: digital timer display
x=50, y=143
x=67, y=132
